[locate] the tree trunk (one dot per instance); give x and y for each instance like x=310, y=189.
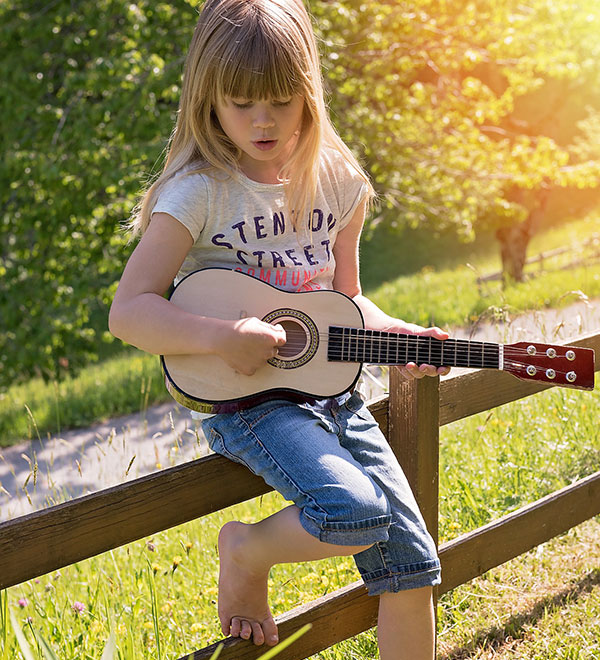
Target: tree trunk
x=514, y=239
x=513, y=250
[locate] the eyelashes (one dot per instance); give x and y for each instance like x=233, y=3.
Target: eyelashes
x=245, y=105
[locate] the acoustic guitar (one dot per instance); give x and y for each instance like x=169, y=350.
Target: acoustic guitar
x=327, y=344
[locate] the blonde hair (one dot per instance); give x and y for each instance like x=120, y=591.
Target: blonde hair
x=253, y=49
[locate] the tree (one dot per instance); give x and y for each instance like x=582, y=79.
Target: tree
x=89, y=95
x=455, y=107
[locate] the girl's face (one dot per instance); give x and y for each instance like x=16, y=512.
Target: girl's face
x=265, y=130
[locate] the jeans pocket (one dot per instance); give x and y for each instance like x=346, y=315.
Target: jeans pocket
x=357, y=406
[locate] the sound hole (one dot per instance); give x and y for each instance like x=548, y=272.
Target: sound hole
x=296, y=339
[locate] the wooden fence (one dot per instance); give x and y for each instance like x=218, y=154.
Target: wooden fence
x=49, y=539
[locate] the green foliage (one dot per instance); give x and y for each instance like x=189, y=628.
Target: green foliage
x=455, y=105
x=450, y=107
x=88, y=101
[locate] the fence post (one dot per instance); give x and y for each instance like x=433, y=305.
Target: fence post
x=414, y=435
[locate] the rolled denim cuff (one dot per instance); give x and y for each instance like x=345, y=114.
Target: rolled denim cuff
x=402, y=578
x=353, y=532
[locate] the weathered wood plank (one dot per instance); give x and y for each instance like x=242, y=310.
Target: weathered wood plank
x=98, y=522
x=349, y=611
x=101, y=521
x=414, y=437
x=475, y=553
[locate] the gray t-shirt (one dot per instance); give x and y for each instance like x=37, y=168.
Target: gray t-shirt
x=243, y=225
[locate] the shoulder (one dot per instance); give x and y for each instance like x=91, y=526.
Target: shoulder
x=335, y=164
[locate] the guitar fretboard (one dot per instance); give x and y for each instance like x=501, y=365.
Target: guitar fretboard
x=377, y=347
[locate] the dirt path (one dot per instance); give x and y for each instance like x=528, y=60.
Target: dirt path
x=41, y=473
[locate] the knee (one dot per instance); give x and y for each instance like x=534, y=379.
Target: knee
x=364, y=505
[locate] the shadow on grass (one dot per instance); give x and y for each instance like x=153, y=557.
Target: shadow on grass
x=515, y=628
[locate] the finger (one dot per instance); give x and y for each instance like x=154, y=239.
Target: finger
x=436, y=332
x=428, y=370
x=413, y=371
x=281, y=337
x=443, y=371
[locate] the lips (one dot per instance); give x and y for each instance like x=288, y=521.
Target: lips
x=264, y=145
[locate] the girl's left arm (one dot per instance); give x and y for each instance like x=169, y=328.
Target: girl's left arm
x=347, y=280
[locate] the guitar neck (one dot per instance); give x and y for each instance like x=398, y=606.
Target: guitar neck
x=378, y=347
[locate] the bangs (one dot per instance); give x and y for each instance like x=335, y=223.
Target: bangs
x=257, y=67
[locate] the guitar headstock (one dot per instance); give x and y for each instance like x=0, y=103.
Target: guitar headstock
x=564, y=366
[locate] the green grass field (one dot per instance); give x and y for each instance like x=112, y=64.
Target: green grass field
x=155, y=599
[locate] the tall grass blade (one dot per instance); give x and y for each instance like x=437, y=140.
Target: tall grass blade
x=154, y=601
x=214, y=656
x=46, y=648
x=4, y=618
x=271, y=653
x=110, y=648
x=21, y=641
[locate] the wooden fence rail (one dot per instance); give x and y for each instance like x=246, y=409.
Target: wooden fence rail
x=52, y=538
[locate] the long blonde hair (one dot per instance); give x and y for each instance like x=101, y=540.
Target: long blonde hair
x=252, y=49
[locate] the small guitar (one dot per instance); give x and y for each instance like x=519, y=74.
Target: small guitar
x=327, y=344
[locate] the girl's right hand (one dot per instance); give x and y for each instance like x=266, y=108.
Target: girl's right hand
x=250, y=343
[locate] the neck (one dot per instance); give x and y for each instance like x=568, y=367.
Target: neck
x=377, y=347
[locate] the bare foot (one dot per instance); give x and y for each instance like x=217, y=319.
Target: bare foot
x=243, y=607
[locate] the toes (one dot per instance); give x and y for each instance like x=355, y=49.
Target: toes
x=258, y=636
x=270, y=631
x=235, y=628
x=247, y=630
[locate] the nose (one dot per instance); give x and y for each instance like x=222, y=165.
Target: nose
x=263, y=117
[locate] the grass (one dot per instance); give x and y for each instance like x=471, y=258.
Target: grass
x=395, y=278
x=449, y=294
x=125, y=383
x=163, y=589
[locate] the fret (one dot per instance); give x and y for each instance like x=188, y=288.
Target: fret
x=411, y=352
x=476, y=354
x=353, y=345
x=387, y=346
x=492, y=358
x=462, y=353
x=375, y=352
x=436, y=346
x=346, y=344
x=363, y=343
x=334, y=350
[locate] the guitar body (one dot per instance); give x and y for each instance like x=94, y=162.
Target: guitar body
x=206, y=383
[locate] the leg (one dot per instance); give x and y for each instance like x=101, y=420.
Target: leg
x=340, y=508
x=406, y=625
x=247, y=552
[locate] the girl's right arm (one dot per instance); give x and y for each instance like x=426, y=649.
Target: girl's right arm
x=141, y=316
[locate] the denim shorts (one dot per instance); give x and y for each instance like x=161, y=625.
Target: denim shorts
x=331, y=459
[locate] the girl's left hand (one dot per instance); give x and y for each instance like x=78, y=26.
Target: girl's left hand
x=412, y=370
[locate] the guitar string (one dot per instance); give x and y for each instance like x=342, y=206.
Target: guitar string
x=298, y=340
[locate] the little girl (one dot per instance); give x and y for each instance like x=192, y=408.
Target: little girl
x=257, y=180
